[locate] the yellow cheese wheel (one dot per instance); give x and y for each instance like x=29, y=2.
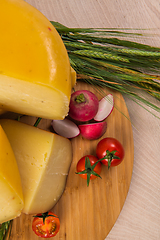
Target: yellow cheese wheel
x=11, y=197
x=35, y=74
x=43, y=159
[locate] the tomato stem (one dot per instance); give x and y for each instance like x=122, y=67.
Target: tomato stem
x=89, y=169
x=44, y=216
x=110, y=156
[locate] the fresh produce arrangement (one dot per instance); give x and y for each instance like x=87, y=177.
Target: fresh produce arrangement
x=87, y=115
x=14, y=128
x=36, y=86
x=32, y=167
x=85, y=106
x=36, y=169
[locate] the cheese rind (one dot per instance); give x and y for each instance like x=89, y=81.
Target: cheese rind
x=43, y=159
x=11, y=197
x=34, y=58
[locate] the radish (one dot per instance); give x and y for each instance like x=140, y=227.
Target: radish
x=93, y=131
x=65, y=128
x=83, y=105
x=106, y=105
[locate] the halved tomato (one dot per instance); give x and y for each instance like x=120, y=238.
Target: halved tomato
x=46, y=224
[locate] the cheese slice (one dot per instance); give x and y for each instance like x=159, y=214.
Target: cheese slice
x=43, y=159
x=11, y=197
x=35, y=74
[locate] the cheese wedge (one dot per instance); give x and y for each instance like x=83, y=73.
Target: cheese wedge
x=11, y=196
x=35, y=74
x=43, y=159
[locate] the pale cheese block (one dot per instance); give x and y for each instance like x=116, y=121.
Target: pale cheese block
x=11, y=196
x=43, y=159
x=35, y=74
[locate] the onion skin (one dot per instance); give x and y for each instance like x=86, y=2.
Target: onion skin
x=86, y=109
x=93, y=131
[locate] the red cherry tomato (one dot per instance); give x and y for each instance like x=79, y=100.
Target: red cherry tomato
x=89, y=168
x=111, y=151
x=46, y=225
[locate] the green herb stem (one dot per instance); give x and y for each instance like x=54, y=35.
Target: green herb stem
x=5, y=230
x=37, y=122
x=106, y=58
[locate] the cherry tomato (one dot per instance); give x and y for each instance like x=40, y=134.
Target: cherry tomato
x=46, y=225
x=111, y=151
x=88, y=167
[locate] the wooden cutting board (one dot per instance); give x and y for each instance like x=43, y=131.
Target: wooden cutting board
x=89, y=213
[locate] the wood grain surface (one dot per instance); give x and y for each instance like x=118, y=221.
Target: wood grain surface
x=89, y=213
